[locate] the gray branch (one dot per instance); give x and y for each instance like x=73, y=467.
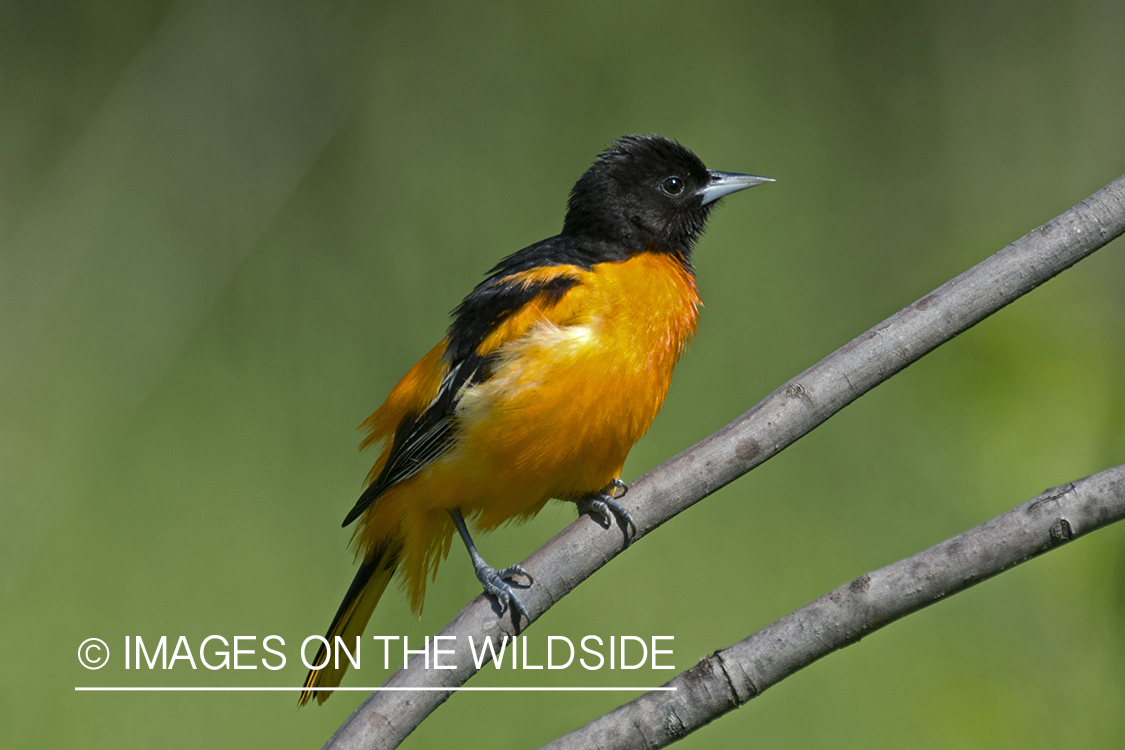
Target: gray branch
x=728, y=679
x=386, y=718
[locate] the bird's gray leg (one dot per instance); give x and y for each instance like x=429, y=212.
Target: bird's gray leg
x=489, y=577
x=602, y=502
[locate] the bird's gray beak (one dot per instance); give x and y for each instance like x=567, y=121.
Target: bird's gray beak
x=725, y=183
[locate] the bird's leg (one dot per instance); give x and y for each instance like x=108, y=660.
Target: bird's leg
x=602, y=502
x=489, y=577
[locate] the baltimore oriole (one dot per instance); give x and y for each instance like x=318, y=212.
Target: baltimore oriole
x=553, y=367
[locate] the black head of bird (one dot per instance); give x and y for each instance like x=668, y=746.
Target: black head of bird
x=647, y=192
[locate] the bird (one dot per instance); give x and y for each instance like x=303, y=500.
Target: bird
x=552, y=369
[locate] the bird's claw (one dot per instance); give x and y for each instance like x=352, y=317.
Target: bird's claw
x=493, y=582
x=602, y=503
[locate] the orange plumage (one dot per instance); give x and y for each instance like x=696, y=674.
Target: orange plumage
x=554, y=367
x=576, y=384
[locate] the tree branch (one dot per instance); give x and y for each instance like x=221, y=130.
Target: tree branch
x=386, y=718
x=728, y=679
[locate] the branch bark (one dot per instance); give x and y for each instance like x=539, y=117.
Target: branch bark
x=728, y=679
x=787, y=414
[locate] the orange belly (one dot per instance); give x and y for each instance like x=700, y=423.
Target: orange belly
x=564, y=405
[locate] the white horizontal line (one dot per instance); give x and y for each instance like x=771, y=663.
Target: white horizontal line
x=184, y=689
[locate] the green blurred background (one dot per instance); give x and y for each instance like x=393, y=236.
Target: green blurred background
x=228, y=228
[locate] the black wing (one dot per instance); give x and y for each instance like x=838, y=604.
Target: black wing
x=423, y=438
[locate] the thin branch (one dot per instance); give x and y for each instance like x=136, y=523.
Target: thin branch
x=386, y=718
x=728, y=679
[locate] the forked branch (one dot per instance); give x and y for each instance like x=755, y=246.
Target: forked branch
x=787, y=414
x=729, y=678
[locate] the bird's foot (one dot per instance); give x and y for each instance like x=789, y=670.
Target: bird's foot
x=602, y=503
x=494, y=583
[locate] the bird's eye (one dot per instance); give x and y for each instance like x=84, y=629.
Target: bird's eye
x=672, y=185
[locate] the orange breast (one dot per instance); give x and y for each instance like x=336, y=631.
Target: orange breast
x=568, y=400
x=565, y=403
